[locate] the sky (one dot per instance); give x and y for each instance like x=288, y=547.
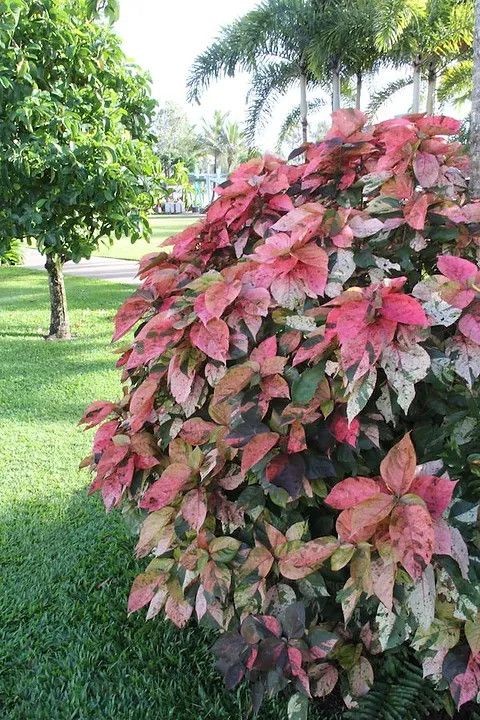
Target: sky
x=165, y=36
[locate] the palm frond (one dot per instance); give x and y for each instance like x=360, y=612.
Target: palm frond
x=269, y=82
x=228, y=53
x=393, y=17
x=452, y=32
x=275, y=30
x=292, y=120
x=456, y=83
x=380, y=97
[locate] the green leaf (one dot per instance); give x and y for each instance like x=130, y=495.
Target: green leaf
x=224, y=549
x=472, y=633
x=305, y=387
x=297, y=708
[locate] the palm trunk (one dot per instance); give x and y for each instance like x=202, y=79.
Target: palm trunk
x=431, y=89
x=59, y=324
x=358, y=94
x=475, y=118
x=335, y=88
x=416, y=85
x=304, y=107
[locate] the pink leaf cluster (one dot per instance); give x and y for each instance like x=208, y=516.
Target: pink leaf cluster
x=281, y=354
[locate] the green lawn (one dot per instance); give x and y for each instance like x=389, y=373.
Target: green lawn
x=67, y=649
x=162, y=227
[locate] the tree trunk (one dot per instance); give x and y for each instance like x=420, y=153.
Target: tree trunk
x=475, y=118
x=431, y=89
x=358, y=94
x=59, y=324
x=335, y=88
x=303, y=108
x=416, y=85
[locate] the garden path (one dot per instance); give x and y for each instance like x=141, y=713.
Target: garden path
x=122, y=271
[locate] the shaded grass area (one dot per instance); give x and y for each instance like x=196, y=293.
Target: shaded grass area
x=162, y=228
x=67, y=649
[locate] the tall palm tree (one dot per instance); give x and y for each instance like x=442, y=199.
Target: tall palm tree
x=272, y=44
x=475, y=118
x=396, y=22
x=212, y=138
x=345, y=45
x=235, y=144
x=224, y=141
x=429, y=35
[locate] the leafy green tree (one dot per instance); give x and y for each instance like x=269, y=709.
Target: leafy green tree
x=108, y=8
x=76, y=162
x=176, y=138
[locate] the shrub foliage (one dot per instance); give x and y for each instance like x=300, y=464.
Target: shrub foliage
x=299, y=424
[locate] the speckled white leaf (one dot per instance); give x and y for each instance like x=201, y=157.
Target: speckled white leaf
x=300, y=322
x=342, y=270
x=440, y=311
x=385, y=620
x=404, y=366
x=385, y=264
x=460, y=551
x=418, y=242
x=360, y=392
x=465, y=356
x=421, y=599
x=384, y=404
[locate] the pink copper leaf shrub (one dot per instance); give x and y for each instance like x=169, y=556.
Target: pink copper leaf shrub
x=299, y=390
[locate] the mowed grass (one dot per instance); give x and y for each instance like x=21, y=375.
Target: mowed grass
x=68, y=651
x=162, y=228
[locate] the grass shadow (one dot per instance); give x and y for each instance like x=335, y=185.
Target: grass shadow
x=68, y=649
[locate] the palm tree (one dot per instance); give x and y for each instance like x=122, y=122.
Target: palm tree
x=212, y=138
x=395, y=24
x=224, y=141
x=475, y=118
x=345, y=46
x=235, y=145
x=271, y=43
x=429, y=35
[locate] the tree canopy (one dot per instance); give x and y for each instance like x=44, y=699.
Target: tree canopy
x=77, y=163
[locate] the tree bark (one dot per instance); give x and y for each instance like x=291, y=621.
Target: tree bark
x=474, y=186
x=431, y=89
x=416, y=85
x=358, y=94
x=304, y=107
x=335, y=88
x=59, y=323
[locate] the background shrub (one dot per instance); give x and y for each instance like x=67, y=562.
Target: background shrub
x=299, y=391
x=12, y=255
